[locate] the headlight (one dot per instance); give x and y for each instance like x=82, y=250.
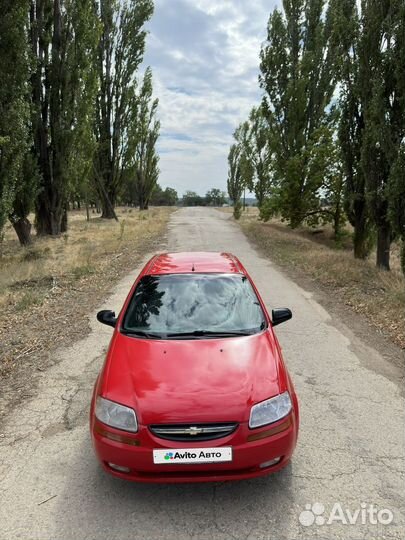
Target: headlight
x=115, y=415
x=270, y=411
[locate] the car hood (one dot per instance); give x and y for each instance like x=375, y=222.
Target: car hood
x=204, y=380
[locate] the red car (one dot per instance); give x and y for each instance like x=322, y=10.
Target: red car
x=194, y=387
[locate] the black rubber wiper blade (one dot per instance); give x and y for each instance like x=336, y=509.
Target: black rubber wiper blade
x=210, y=333
x=141, y=333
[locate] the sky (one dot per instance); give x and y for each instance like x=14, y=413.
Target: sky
x=204, y=56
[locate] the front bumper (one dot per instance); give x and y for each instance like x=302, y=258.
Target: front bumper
x=135, y=452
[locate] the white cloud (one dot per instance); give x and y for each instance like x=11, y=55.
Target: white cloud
x=205, y=60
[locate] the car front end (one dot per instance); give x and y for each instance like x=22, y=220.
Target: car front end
x=195, y=452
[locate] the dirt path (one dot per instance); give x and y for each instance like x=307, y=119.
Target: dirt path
x=350, y=451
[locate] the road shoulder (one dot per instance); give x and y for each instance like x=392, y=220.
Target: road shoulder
x=365, y=338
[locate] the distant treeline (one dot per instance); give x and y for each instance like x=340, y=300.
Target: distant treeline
x=213, y=197
x=166, y=197
x=327, y=141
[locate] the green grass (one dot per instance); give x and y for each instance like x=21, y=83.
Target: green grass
x=28, y=300
x=83, y=271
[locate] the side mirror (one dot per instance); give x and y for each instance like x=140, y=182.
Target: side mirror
x=280, y=315
x=106, y=316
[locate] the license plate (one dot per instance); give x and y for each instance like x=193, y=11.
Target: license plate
x=193, y=455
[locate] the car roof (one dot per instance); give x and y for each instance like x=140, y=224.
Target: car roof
x=194, y=261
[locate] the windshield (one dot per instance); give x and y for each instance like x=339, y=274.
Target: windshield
x=178, y=305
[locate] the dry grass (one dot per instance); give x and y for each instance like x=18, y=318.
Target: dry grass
x=47, y=290
x=75, y=253
x=378, y=295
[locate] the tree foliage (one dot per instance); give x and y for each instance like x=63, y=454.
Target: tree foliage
x=396, y=185
x=74, y=123
x=191, y=198
x=215, y=197
x=331, y=125
x=235, y=183
x=14, y=105
x=259, y=154
x=352, y=124
x=247, y=163
x=396, y=198
x=382, y=44
x=142, y=155
x=62, y=41
x=298, y=77
x=164, y=197
x=120, y=53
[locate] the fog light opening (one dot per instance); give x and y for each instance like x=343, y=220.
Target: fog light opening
x=119, y=468
x=270, y=463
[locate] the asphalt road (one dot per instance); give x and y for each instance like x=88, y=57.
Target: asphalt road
x=350, y=453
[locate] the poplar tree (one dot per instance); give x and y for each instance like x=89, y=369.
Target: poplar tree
x=120, y=53
x=62, y=38
x=352, y=124
x=235, y=180
x=396, y=186
x=396, y=205
x=381, y=45
x=141, y=151
x=14, y=106
x=259, y=153
x=298, y=76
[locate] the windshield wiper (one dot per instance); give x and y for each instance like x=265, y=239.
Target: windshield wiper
x=209, y=333
x=141, y=333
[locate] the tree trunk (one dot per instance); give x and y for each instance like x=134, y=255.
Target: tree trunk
x=337, y=220
x=359, y=243
x=383, y=246
x=22, y=227
x=141, y=201
x=360, y=238
x=107, y=208
x=107, y=199
x=64, y=220
x=47, y=222
x=48, y=132
x=107, y=213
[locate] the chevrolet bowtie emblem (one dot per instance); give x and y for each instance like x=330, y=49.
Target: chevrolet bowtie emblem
x=193, y=430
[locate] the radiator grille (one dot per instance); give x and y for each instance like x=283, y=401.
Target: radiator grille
x=193, y=432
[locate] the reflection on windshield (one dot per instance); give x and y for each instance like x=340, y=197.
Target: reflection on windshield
x=145, y=302
x=187, y=303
